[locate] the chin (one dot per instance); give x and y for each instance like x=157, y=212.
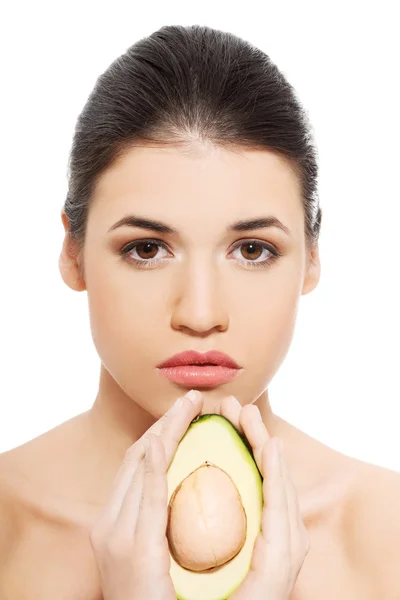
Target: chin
x=208, y=405
x=206, y=410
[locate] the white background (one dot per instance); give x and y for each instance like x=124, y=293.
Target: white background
x=340, y=380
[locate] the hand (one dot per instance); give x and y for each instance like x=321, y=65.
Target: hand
x=128, y=539
x=281, y=547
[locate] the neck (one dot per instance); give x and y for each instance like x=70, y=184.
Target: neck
x=115, y=419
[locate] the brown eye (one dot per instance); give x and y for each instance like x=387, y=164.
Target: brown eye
x=144, y=253
x=252, y=250
x=149, y=250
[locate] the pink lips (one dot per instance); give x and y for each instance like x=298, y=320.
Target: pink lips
x=193, y=369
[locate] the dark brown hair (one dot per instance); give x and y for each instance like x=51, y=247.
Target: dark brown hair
x=181, y=83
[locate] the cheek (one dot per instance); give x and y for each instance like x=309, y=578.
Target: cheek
x=268, y=323
x=120, y=319
x=129, y=324
x=278, y=327
x=119, y=305
x=129, y=343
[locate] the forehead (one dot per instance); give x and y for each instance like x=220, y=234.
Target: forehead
x=205, y=184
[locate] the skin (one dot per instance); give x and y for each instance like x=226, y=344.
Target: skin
x=201, y=295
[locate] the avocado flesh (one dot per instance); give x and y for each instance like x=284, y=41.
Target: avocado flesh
x=214, y=439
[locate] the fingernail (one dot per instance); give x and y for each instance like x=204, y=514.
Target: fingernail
x=176, y=406
x=193, y=395
x=257, y=413
x=146, y=443
x=280, y=445
x=236, y=401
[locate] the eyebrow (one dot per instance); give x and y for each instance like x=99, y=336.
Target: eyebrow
x=247, y=225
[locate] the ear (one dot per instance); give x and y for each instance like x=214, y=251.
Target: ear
x=313, y=271
x=69, y=261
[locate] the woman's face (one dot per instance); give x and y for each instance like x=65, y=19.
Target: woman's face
x=204, y=287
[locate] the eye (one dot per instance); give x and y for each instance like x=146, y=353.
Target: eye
x=147, y=253
x=254, y=250
x=145, y=249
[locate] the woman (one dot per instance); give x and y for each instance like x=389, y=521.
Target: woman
x=192, y=221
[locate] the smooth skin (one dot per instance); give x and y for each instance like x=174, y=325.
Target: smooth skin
x=201, y=292
x=129, y=541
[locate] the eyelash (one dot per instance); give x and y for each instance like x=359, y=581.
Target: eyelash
x=145, y=264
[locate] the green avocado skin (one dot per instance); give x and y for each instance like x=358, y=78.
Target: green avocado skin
x=202, y=418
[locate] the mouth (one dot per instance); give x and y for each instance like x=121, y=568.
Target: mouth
x=205, y=375
x=195, y=369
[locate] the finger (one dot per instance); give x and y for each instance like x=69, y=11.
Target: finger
x=299, y=537
x=298, y=531
x=270, y=559
x=230, y=408
x=178, y=422
x=159, y=425
x=255, y=431
x=125, y=522
x=275, y=519
x=123, y=480
x=132, y=458
x=153, y=510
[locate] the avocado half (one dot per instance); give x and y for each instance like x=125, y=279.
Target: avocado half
x=212, y=438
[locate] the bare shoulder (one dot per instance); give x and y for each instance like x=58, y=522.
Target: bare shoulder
x=374, y=518
x=17, y=470
x=30, y=476
x=27, y=501
x=45, y=481
x=41, y=525
x=10, y=514
x=23, y=471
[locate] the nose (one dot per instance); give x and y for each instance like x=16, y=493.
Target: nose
x=199, y=305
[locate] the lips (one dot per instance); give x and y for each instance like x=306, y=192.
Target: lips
x=191, y=357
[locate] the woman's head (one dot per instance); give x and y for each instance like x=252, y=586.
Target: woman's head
x=196, y=129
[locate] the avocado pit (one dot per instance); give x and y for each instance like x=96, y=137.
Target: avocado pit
x=207, y=524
